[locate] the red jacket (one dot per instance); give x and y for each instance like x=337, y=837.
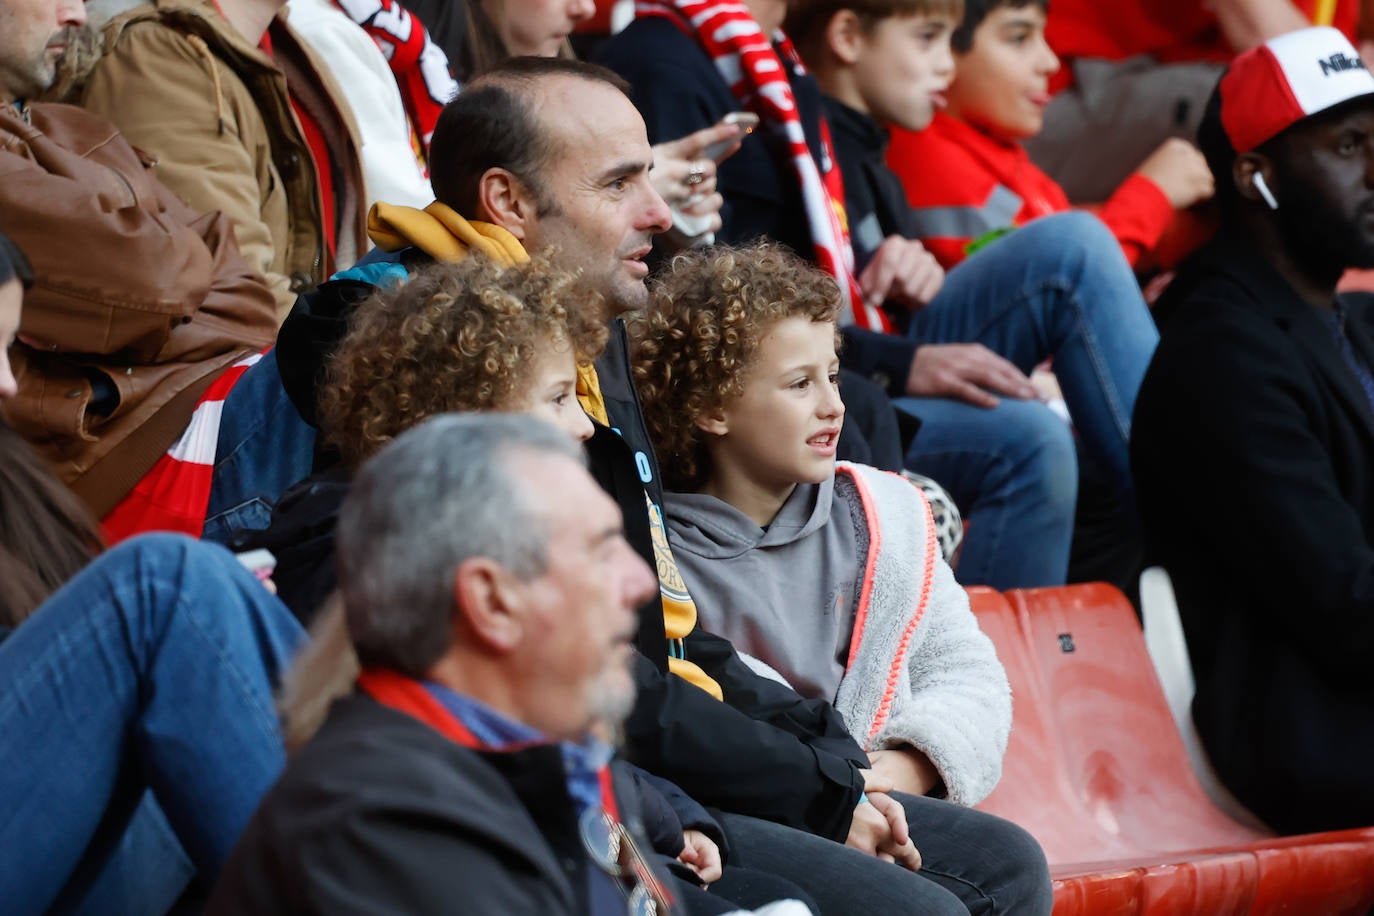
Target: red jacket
x=1167, y=30
x=963, y=186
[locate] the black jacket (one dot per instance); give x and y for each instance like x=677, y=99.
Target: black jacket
x=1253, y=452
x=381, y=814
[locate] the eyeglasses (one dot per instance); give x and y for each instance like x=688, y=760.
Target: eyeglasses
x=614, y=850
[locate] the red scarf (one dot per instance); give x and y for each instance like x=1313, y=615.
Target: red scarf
x=756, y=73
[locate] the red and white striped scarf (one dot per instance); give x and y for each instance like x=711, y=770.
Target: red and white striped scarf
x=756, y=73
x=175, y=493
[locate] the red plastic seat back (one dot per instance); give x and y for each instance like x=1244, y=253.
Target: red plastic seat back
x=1123, y=754
x=1034, y=791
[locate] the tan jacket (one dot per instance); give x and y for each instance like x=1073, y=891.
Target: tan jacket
x=132, y=289
x=181, y=83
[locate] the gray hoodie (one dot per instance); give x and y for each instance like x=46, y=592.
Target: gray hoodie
x=848, y=597
x=798, y=623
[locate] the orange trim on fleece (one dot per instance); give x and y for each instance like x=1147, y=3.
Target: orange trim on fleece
x=927, y=580
x=875, y=540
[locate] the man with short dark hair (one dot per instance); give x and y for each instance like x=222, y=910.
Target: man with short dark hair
x=1254, y=438
x=490, y=595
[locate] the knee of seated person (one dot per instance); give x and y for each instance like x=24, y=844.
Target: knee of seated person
x=1041, y=448
x=166, y=551
x=1072, y=234
x=1023, y=885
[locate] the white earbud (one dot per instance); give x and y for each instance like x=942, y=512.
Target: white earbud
x=1262, y=188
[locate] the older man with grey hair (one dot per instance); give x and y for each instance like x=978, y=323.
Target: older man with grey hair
x=490, y=594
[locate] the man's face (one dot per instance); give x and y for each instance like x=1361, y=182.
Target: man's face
x=1324, y=172
x=903, y=69
x=32, y=41
x=604, y=211
x=581, y=622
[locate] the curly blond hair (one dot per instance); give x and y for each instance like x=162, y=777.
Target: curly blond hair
x=699, y=337
x=456, y=337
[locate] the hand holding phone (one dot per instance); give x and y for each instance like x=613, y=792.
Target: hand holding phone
x=711, y=144
x=746, y=121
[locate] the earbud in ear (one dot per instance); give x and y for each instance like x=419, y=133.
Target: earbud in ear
x=1257, y=179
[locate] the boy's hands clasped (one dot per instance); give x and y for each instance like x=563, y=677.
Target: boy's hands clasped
x=879, y=826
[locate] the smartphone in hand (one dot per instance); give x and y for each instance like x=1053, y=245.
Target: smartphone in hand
x=689, y=230
x=747, y=121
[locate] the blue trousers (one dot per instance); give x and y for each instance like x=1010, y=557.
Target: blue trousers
x=151, y=670
x=1058, y=287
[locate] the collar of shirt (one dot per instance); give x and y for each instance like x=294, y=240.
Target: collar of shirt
x=582, y=761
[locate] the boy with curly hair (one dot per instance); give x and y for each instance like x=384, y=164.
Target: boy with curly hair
x=829, y=574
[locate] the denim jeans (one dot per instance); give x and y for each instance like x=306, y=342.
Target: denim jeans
x=1058, y=287
x=152, y=670
x=971, y=863
x=264, y=447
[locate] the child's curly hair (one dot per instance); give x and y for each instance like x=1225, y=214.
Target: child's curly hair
x=456, y=337
x=693, y=347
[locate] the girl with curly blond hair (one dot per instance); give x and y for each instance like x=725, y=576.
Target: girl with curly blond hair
x=464, y=336
x=829, y=574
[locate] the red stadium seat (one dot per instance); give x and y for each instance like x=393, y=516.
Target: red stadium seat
x=1096, y=770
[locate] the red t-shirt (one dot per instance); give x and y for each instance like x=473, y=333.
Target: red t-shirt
x=319, y=151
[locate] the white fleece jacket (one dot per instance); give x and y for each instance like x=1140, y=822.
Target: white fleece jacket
x=919, y=671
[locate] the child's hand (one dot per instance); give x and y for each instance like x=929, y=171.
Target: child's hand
x=879, y=828
x=1181, y=172
x=701, y=855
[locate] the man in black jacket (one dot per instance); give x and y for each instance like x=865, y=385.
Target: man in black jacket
x=1254, y=438
x=490, y=595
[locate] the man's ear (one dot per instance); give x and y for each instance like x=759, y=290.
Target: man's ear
x=503, y=199
x=1244, y=170
x=488, y=604
x=844, y=36
x=713, y=422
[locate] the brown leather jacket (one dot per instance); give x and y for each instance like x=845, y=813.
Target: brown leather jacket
x=134, y=293
x=180, y=82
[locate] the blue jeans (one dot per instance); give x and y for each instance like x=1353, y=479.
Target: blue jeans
x=971, y=863
x=152, y=670
x=1058, y=287
x=264, y=447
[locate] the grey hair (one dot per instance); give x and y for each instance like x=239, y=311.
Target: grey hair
x=438, y=495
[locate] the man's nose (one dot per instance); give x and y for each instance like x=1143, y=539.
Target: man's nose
x=656, y=216
x=71, y=12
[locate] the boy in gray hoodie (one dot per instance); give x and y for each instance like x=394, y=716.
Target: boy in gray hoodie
x=831, y=575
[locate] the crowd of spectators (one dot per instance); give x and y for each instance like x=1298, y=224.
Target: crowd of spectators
x=439, y=471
